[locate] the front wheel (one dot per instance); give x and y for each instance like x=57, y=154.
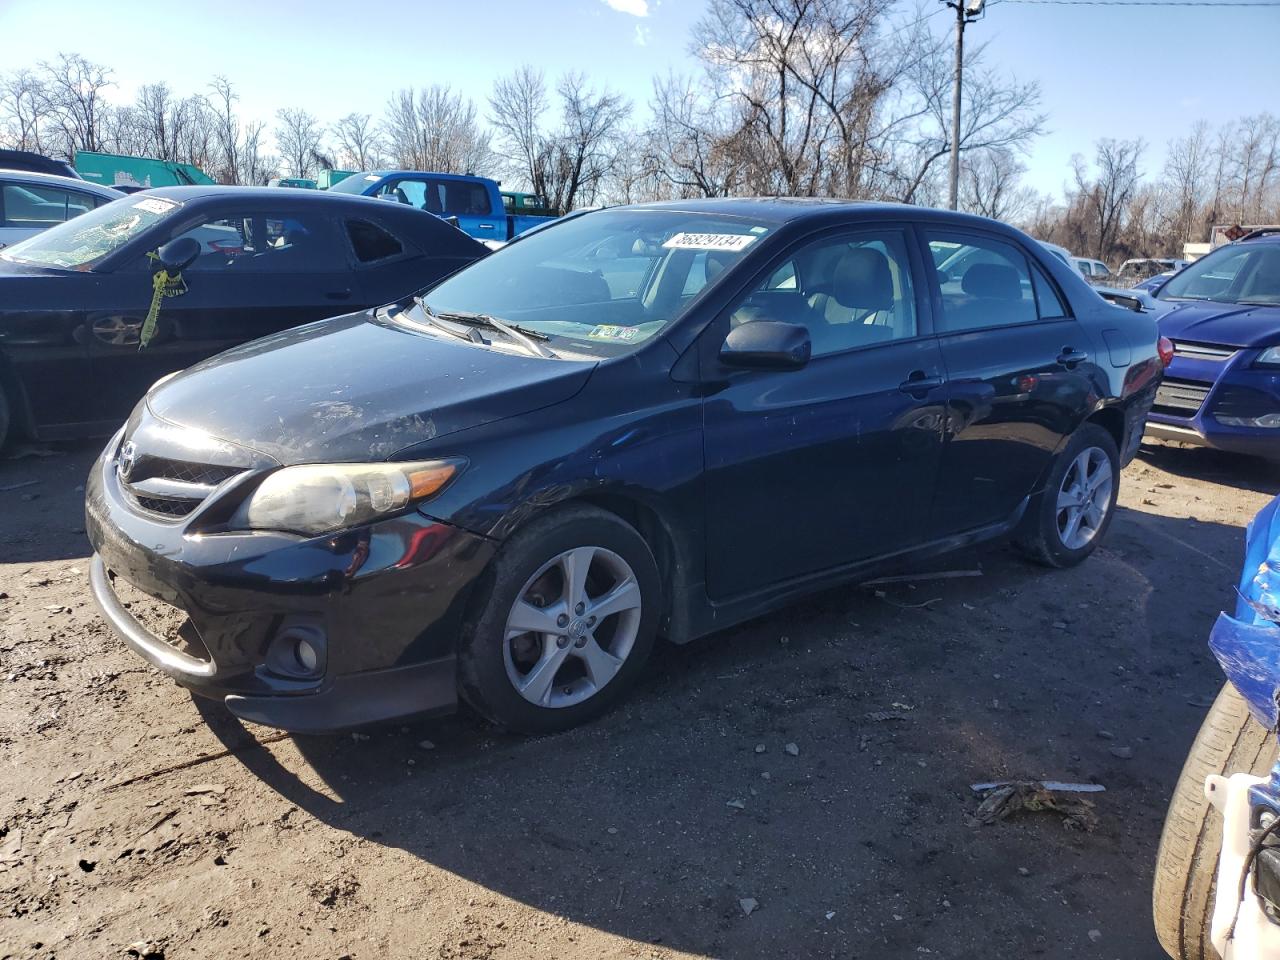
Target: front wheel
x=1066, y=522
x=570, y=610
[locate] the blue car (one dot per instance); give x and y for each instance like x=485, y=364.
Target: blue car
x=1222, y=389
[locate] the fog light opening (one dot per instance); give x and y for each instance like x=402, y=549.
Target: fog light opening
x=297, y=652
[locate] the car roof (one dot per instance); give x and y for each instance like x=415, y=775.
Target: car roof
x=53, y=180
x=780, y=210
x=269, y=195
x=429, y=173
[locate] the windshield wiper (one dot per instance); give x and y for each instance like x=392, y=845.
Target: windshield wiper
x=472, y=335
x=529, y=339
x=1259, y=303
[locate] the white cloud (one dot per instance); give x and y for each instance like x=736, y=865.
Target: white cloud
x=637, y=8
x=642, y=35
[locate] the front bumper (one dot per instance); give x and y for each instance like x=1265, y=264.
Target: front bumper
x=387, y=599
x=1228, y=384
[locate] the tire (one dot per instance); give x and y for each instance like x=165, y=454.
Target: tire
x=1043, y=539
x=532, y=681
x=1230, y=741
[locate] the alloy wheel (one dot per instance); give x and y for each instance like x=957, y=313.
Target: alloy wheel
x=572, y=627
x=1084, y=498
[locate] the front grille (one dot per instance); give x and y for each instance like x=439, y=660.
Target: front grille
x=1202, y=351
x=169, y=488
x=1180, y=398
x=1244, y=403
x=167, y=508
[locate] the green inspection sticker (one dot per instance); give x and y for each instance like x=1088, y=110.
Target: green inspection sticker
x=606, y=332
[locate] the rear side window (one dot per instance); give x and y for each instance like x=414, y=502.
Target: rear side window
x=371, y=242
x=1048, y=302
x=984, y=282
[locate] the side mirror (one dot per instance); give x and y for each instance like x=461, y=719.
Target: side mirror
x=767, y=345
x=176, y=255
x=1122, y=300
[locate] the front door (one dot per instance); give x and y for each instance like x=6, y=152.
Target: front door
x=1020, y=375
x=836, y=462
x=258, y=273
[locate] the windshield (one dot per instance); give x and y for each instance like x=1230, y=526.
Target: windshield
x=606, y=281
x=1248, y=273
x=81, y=243
x=356, y=183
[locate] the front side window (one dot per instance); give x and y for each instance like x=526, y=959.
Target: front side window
x=256, y=242
x=1249, y=273
x=601, y=283
x=83, y=242
x=850, y=291
x=984, y=282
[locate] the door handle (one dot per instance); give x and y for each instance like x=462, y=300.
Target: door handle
x=1070, y=356
x=338, y=295
x=920, y=383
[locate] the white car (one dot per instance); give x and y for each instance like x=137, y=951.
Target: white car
x=1092, y=269
x=31, y=202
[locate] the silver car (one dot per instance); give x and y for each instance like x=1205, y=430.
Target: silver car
x=31, y=202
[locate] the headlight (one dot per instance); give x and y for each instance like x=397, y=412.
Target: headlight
x=1269, y=357
x=323, y=497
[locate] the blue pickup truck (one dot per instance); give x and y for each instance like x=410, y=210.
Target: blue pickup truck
x=474, y=201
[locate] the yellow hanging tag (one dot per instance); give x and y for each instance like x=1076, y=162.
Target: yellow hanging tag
x=158, y=283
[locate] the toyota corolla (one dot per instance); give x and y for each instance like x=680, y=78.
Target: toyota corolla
x=655, y=420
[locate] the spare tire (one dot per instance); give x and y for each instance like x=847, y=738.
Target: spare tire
x=1230, y=741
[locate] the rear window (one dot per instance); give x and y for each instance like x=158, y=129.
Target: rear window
x=371, y=242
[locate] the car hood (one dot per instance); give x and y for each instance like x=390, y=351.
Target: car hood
x=1232, y=325
x=353, y=388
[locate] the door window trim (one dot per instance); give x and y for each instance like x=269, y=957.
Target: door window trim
x=717, y=328
x=935, y=288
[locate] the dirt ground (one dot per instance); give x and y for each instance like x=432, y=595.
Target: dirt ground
x=130, y=812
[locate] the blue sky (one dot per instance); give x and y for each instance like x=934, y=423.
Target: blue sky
x=1104, y=71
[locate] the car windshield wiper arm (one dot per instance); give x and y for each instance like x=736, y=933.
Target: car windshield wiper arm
x=471, y=336
x=526, y=338
x=1259, y=303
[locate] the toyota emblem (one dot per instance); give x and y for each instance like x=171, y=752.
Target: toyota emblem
x=128, y=457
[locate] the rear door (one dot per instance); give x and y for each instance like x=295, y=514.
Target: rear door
x=1020, y=374
x=259, y=272
x=836, y=462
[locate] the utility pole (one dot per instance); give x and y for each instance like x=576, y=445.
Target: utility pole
x=966, y=12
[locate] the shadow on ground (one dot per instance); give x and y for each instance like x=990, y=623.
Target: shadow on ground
x=1214, y=466
x=633, y=825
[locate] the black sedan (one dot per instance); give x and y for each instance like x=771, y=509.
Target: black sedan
x=651, y=420
x=74, y=298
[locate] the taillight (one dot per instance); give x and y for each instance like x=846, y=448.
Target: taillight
x=1165, y=347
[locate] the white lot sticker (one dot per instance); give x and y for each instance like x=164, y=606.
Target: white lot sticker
x=733, y=242
x=608, y=332
x=157, y=205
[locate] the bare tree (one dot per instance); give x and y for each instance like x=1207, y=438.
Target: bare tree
x=583, y=148
x=1186, y=174
x=436, y=129
x=687, y=143
x=25, y=105
x=358, y=141
x=298, y=136
x=75, y=95
x=518, y=106
x=990, y=184
x=1106, y=198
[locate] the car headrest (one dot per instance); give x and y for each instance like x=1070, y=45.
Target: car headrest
x=993, y=281
x=862, y=280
